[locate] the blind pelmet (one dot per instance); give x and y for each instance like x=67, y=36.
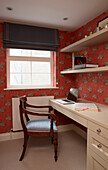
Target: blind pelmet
x=30, y=37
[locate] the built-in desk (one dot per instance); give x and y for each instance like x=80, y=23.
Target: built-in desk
x=97, y=132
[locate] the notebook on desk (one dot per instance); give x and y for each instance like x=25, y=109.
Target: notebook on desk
x=72, y=97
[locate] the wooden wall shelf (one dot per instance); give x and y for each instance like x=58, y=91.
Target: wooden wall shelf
x=94, y=39
x=86, y=70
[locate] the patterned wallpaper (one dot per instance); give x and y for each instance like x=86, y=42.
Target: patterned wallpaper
x=93, y=86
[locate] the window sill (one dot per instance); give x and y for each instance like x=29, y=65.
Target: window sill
x=29, y=88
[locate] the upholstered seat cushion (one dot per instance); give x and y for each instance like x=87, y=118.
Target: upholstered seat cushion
x=40, y=125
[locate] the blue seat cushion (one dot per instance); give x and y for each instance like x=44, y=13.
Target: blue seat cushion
x=40, y=125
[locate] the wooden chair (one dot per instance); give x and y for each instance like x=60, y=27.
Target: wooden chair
x=37, y=127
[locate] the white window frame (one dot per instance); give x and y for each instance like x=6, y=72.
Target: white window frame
x=22, y=58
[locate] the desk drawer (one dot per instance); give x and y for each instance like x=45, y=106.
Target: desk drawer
x=98, y=129
x=98, y=144
x=95, y=162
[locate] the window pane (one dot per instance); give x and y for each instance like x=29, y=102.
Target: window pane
x=20, y=52
x=20, y=79
x=29, y=53
x=41, y=79
x=37, y=53
x=33, y=71
x=20, y=66
x=41, y=67
x=25, y=79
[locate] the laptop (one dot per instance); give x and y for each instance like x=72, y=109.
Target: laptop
x=72, y=97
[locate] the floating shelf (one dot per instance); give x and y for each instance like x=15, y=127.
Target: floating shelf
x=94, y=39
x=86, y=70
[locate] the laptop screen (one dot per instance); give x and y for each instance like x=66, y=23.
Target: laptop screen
x=73, y=94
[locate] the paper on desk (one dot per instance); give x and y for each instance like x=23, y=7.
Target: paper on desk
x=86, y=107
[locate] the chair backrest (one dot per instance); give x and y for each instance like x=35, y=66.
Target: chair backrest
x=23, y=100
x=22, y=106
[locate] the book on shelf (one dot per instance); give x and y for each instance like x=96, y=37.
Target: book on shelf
x=86, y=107
x=91, y=65
x=79, y=66
x=67, y=69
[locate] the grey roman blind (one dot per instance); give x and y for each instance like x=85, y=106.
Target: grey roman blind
x=30, y=37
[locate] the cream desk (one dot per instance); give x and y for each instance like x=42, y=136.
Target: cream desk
x=97, y=131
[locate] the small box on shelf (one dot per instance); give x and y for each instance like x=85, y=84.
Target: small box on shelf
x=93, y=65
x=78, y=62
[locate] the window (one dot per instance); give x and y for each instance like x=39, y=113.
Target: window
x=29, y=68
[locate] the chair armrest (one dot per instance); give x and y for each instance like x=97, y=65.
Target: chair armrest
x=52, y=115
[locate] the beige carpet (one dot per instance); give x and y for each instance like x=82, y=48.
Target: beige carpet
x=40, y=153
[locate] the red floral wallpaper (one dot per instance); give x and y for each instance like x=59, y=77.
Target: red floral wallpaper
x=93, y=86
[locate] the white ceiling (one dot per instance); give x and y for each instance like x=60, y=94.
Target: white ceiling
x=50, y=13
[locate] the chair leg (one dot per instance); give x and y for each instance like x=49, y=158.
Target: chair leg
x=55, y=146
x=52, y=140
x=52, y=137
x=24, y=147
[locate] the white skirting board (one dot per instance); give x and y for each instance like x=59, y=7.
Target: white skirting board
x=61, y=128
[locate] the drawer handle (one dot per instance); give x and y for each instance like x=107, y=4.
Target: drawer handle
x=98, y=130
x=99, y=145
